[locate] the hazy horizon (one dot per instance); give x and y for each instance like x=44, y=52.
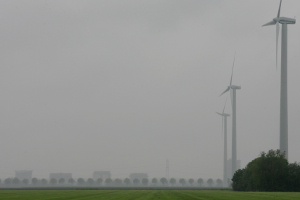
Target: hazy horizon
x=121, y=86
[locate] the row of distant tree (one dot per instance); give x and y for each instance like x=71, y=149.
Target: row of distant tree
x=110, y=182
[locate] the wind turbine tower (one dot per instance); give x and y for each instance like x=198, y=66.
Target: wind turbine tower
x=283, y=88
x=233, y=88
x=224, y=127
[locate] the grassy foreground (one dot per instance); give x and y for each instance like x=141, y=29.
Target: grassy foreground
x=142, y=194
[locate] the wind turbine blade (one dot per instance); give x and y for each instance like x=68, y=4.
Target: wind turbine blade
x=219, y=113
x=277, y=34
x=278, y=15
x=225, y=91
x=232, y=70
x=270, y=23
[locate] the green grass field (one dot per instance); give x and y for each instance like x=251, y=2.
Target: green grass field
x=142, y=194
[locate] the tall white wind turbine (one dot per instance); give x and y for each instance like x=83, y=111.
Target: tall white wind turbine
x=283, y=89
x=224, y=128
x=233, y=100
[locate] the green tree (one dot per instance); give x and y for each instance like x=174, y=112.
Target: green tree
x=269, y=172
x=127, y=181
x=118, y=181
x=164, y=181
x=71, y=181
x=293, y=184
x=44, y=181
x=8, y=181
x=191, y=181
x=136, y=181
x=99, y=181
x=145, y=181
x=53, y=181
x=34, y=181
x=108, y=181
x=61, y=181
x=210, y=182
x=219, y=182
x=16, y=181
x=25, y=181
x=173, y=181
x=154, y=181
x=182, y=181
x=200, y=182
x=90, y=181
x=80, y=181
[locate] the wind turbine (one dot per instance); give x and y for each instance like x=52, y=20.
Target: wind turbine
x=224, y=127
x=233, y=101
x=283, y=89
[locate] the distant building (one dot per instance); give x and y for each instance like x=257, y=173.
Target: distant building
x=139, y=176
x=101, y=174
x=229, y=164
x=23, y=174
x=58, y=176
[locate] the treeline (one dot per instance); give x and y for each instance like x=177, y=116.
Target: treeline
x=15, y=182
x=269, y=172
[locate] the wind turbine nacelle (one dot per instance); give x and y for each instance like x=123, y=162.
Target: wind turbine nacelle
x=235, y=87
x=285, y=20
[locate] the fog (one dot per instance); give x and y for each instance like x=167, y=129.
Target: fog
x=122, y=86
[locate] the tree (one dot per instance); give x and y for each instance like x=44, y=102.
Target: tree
x=25, y=181
x=136, y=181
x=182, y=181
x=8, y=181
x=219, y=182
x=210, y=182
x=34, y=181
x=16, y=181
x=99, y=181
x=268, y=172
x=71, y=181
x=154, y=181
x=61, y=181
x=118, y=181
x=200, y=182
x=90, y=181
x=164, y=181
x=80, y=181
x=108, y=181
x=127, y=181
x=145, y=181
x=191, y=181
x=293, y=184
x=44, y=181
x=173, y=181
x=53, y=181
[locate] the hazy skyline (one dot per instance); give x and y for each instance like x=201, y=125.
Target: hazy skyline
x=124, y=85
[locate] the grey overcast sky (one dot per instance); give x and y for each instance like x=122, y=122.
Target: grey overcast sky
x=125, y=85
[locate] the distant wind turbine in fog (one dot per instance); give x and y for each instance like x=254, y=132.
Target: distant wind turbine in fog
x=233, y=102
x=283, y=90
x=224, y=129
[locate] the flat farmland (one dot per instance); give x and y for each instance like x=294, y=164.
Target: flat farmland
x=142, y=194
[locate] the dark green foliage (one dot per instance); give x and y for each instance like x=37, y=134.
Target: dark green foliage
x=99, y=180
x=44, y=181
x=16, y=181
x=164, y=181
x=293, y=177
x=80, y=181
x=127, y=181
x=136, y=181
x=200, y=182
x=154, y=181
x=145, y=181
x=25, y=181
x=191, y=181
x=210, y=182
x=34, y=181
x=71, y=181
x=61, y=181
x=182, y=181
x=269, y=172
x=173, y=181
